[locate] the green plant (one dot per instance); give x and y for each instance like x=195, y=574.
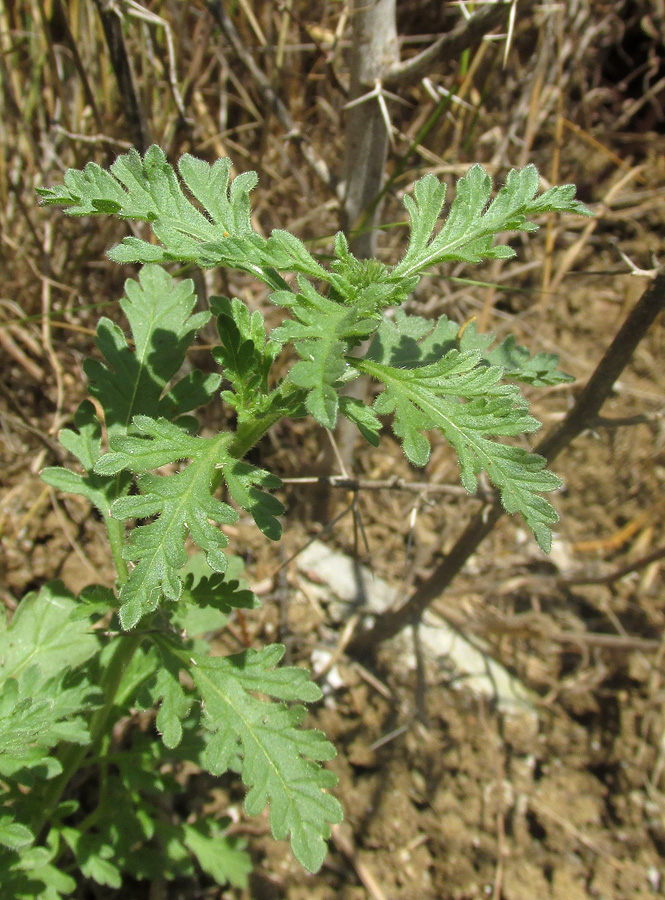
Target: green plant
x=73, y=670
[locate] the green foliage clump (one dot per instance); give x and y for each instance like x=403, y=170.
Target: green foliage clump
x=72, y=668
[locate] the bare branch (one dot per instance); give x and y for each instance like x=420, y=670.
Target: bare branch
x=616, y=574
x=121, y=62
x=453, y=44
x=384, y=484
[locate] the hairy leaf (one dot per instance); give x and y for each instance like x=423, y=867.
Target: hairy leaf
x=14, y=835
x=183, y=503
x=42, y=698
x=408, y=341
x=468, y=233
x=32, y=875
x=540, y=370
x=223, y=858
x=148, y=189
x=85, y=442
x=245, y=355
x=428, y=397
x=43, y=633
x=323, y=332
x=133, y=381
x=279, y=760
x=363, y=417
x=208, y=598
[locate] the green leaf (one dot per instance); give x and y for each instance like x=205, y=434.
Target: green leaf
x=229, y=211
x=21, y=720
x=148, y=189
x=279, y=760
x=49, y=711
x=540, y=370
x=44, y=634
x=285, y=252
x=245, y=483
x=323, y=332
x=208, y=598
x=468, y=233
x=94, y=601
x=408, y=341
x=43, y=701
x=131, y=835
x=428, y=396
x=175, y=703
x=134, y=381
x=224, y=859
x=363, y=417
x=94, y=853
x=13, y=834
x=245, y=355
x=184, y=503
x=365, y=281
x=31, y=875
x=85, y=442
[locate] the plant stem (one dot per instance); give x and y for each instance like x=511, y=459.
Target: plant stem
x=585, y=410
x=116, y=534
x=250, y=432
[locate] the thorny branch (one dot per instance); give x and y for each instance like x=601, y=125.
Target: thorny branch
x=449, y=46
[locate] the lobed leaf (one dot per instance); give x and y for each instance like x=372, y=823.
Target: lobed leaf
x=85, y=442
x=517, y=363
x=221, y=857
x=322, y=332
x=363, y=417
x=33, y=874
x=245, y=355
x=175, y=703
x=44, y=633
x=183, y=504
x=428, y=397
x=43, y=698
x=408, y=341
x=473, y=222
x=132, y=381
x=279, y=760
x=148, y=189
x=14, y=835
